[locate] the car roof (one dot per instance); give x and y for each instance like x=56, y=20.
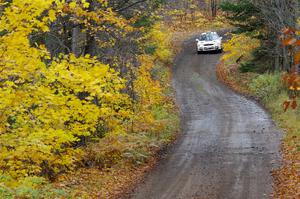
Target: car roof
x=208, y=33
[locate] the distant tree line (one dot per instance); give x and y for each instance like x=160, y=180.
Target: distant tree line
x=265, y=20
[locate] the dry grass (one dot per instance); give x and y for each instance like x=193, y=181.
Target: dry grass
x=287, y=178
x=231, y=76
x=113, y=183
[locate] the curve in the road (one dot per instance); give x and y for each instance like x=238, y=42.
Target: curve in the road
x=229, y=144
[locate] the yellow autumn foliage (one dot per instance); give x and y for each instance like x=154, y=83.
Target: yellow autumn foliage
x=149, y=93
x=60, y=111
x=158, y=37
x=240, y=45
x=47, y=106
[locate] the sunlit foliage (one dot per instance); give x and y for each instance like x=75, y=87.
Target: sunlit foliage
x=49, y=105
x=57, y=102
x=240, y=46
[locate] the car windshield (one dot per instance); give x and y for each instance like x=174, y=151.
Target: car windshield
x=209, y=37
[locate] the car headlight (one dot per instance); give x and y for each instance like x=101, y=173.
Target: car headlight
x=218, y=45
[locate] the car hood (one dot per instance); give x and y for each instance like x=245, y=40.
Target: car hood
x=209, y=42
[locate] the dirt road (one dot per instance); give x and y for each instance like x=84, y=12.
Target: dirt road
x=229, y=143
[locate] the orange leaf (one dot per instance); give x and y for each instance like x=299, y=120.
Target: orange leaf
x=294, y=104
x=297, y=58
x=289, y=41
x=286, y=105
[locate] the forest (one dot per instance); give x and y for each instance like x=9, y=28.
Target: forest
x=87, y=102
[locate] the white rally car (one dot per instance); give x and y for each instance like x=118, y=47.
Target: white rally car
x=209, y=41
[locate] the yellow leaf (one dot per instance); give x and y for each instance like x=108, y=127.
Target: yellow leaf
x=52, y=16
x=72, y=5
x=85, y=4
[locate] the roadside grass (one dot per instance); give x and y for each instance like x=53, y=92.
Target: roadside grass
x=31, y=188
x=230, y=75
x=267, y=87
x=269, y=90
x=118, y=163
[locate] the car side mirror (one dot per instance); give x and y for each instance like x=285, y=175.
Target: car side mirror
x=197, y=40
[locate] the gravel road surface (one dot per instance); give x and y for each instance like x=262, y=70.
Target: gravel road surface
x=228, y=145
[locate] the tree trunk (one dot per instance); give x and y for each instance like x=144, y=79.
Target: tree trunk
x=76, y=41
x=213, y=8
x=91, y=45
x=277, y=56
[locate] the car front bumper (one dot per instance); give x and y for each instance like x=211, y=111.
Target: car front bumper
x=208, y=48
